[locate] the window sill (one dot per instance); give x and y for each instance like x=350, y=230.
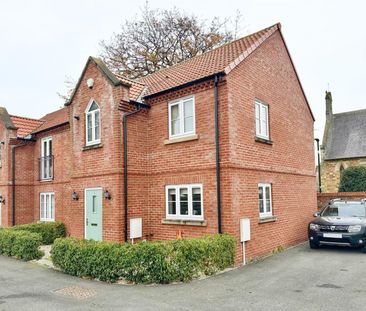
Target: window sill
x=199, y=223
x=180, y=139
x=90, y=147
x=267, y=219
x=46, y=180
x=263, y=140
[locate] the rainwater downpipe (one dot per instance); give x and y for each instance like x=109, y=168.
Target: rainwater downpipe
x=218, y=183
x=125, y=179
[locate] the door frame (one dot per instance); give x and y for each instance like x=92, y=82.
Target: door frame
x=85, y=208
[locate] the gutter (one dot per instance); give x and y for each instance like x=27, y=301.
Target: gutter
x=139, y=106
x=217, y=141
x=182, y=86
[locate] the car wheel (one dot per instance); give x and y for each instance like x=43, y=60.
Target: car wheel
x=363, y=249
x=313, y=245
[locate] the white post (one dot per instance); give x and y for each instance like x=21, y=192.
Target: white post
x=244, y=261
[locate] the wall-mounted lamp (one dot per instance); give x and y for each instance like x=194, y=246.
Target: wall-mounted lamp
x=90, y=83
x=77, y=118
x=2, y=199
x=75, y=196
x=107, y=195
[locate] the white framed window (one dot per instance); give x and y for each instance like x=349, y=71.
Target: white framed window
x=182, y=117
x=261, y=120
x=265, y=200
x=92, y=123
x=184, y=202
x=46, y=160
x=47, y=206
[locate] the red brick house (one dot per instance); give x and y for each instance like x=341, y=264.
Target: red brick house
x=190, y=150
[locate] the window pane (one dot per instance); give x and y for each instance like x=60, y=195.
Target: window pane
x=196, y=194
x=172, y=208
x=184, y=208
x=184, y=194
x=46, y=206
x=261, y=205
x=42, y=207
x=263, y=118
x=188, y=115
x=175, y=127
x=268, y=199
x=97, y=122
x=172, y=204
x=264, y=128
x=90, y=129
x=52, y=209
x=94, y=209
x=268, y=206
x=196, y=202
x=175, y=120
x=260, y=189
x=184, y=201
x=261, y=208
x=93, y=107
x=49, y=147
x=174, y=112
x=188, y=124
x=188, y=108
x=197, y=210
x=268, y=192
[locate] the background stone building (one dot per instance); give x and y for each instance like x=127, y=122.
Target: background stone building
x=344, y=144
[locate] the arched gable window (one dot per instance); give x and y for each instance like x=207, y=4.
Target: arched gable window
x=92, y=117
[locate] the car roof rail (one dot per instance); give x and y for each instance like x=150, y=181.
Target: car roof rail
x=335, y=200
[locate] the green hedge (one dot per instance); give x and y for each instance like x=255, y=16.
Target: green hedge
x=49, y=231
x=353, y=179
x=20, y=244
x=145, y=262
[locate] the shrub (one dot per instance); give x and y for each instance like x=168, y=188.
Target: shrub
x=20, y=244
x=353, y=179
x=49, y=231
x=145, y=262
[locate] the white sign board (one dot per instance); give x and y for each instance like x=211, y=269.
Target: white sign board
x=244, y=229
x=135, y=228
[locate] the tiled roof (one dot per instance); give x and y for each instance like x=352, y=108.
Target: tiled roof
x=346, y=136
x=53, y=119
x=221, y=59
x=136, y=88
x=24, y=125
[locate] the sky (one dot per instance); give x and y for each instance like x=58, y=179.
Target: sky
x=42, y=42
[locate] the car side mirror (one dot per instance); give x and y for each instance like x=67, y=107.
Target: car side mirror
x=317, y=214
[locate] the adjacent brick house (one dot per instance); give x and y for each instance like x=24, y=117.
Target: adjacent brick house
x=190, y=150
x=343, y=145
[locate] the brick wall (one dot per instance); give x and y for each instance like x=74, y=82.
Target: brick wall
x=287, y=164
x=324, y=198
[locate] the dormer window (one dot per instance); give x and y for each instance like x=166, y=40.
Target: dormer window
x=92, y=117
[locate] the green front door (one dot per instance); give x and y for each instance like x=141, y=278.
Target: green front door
x=93, y=214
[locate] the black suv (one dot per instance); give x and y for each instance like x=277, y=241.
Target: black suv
x=339, y=223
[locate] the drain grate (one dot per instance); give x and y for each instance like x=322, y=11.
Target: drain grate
x=77, y=292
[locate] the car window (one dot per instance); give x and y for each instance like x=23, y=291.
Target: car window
x=345, y=210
